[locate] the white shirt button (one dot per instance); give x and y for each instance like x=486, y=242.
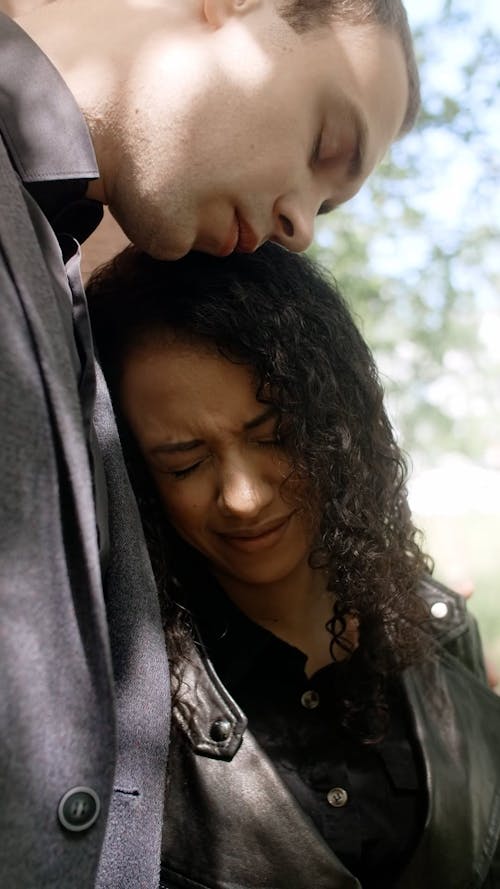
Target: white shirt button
x=310, y=699
x=337, y=797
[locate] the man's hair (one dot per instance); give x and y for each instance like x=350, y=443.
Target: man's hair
x=303, y=15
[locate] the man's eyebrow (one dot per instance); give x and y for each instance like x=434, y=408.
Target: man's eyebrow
x=357, y=160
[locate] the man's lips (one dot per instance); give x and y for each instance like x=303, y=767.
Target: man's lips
x=248, y=241
x=260, y=536
x=241, y=237
x=231, y=242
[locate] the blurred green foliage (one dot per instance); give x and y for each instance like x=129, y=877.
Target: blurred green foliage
x=417, y=253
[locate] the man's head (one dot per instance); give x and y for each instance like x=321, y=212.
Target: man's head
x=219, y=124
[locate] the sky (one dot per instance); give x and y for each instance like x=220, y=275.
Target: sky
x=486, y=11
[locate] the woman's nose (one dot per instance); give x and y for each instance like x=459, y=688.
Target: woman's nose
x=243, y=492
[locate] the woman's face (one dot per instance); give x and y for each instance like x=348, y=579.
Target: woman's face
x=213, y=454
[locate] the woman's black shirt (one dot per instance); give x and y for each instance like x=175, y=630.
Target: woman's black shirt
x=368, y=801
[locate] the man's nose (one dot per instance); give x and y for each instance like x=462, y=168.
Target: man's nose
x=243, y=492
x=294, y=223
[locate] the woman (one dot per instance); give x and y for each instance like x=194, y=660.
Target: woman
x=332, y=727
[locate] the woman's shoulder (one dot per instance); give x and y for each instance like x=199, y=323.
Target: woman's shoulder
x=448, y=613
x=452, y=625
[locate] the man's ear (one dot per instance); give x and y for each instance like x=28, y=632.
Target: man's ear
x=216, y=12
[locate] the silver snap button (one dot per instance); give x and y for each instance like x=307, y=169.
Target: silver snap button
x=439, y=610
x=337, y=797
x=220, y=730
x=310, y=699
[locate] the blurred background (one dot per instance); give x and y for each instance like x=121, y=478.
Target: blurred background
x=417, y=255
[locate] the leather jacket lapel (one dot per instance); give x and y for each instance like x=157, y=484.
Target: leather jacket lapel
x=230, y=821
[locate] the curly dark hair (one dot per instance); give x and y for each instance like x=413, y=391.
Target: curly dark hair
x=280, y=314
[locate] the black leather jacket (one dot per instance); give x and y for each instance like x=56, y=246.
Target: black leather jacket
x=232, y=824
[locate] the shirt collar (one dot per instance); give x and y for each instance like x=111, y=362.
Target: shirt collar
x=239, y=648
x=43, y=128
x=235, y=644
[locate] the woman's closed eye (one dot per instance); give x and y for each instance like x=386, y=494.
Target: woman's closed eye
x=273, y=441
x=272, y=436
x=166, y=465
x=185, y=471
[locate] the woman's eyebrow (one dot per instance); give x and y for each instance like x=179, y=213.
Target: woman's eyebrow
x=261, y=418
x=176, y=447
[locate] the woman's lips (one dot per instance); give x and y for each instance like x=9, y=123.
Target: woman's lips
x=251, y=540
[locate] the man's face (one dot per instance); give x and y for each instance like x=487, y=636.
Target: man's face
x=243, y=131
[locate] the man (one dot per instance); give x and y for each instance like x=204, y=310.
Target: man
x=206, y=124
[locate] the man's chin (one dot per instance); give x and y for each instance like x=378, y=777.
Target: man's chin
x=155, y=242
x=161, y=246
x=163, y=251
